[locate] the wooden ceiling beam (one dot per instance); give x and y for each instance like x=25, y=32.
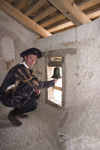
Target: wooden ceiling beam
x=9, y=9
x=45, y=13
x=52, y=9
x=35, y=7
x=71, y=11
x=52, y=20
x=93, y=15
x=22, y=4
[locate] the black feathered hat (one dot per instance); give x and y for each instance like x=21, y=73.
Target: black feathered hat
x=31, y=51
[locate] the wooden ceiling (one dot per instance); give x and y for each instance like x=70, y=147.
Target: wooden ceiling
x=47, y=17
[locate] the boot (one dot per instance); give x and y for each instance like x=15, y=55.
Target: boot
x=23, y=116
x=14, y=120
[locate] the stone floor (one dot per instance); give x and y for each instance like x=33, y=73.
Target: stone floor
x=38, y=132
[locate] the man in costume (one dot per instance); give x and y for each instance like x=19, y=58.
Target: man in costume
x=20, y=88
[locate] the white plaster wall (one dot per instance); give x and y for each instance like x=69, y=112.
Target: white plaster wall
x=57, y=41
x=14, y=38
x=80, y=127
x=69, y=38
x=12, y=25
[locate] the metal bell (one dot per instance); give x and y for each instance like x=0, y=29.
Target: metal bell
x=56, y=74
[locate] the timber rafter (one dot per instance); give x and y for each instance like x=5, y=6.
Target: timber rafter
x=47, y=17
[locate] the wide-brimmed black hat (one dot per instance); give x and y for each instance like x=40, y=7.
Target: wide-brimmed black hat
x=31, y=51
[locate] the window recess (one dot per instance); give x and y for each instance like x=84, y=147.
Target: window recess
x=54, y=94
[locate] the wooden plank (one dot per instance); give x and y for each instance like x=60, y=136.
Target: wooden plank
x=64, y=29
x=70, y=24
x=62, y=26
x=52, y=20
x=94, y=15
x=45, y=13
x=9, y=1
x=22, y=4
x=71, y=11
x=89, y=4
x=81, y=2
x=35, y=7
x=92, y=10
x=58, y=88
x=52, y=9
x=9, y=9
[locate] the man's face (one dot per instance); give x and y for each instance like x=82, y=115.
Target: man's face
x=30, y=60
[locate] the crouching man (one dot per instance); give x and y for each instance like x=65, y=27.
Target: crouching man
x=21, y=88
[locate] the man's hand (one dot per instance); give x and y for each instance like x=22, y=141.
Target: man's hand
x=37, y=91
x=56, y=80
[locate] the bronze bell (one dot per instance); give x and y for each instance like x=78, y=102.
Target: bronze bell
x=56, y=74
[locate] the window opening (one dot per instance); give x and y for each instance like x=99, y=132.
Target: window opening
x=55, y=93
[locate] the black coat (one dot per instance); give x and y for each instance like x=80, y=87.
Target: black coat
x=25, y=82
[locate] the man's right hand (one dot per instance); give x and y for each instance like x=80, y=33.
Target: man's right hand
x=56, y=80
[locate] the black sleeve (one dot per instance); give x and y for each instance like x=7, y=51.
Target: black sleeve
x=26, y=75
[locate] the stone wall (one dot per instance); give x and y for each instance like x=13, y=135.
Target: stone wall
x=79, y=124
x=14, y=38
x=39, y=130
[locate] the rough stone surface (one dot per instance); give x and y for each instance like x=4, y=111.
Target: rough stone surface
x=14, y=38
x=54, y=42
x=6, y=50
x=39, y=130
x=19, y=30
x=81, y=86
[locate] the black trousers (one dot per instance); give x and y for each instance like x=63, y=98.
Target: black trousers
x=20, y=95
x=30, y=105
